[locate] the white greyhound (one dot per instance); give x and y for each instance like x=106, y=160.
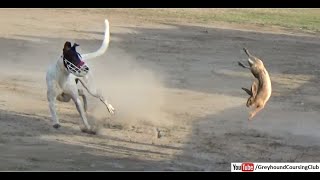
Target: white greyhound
x=62, y=78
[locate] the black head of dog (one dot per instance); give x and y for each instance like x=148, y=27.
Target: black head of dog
x=70, y=53
x=79, y=67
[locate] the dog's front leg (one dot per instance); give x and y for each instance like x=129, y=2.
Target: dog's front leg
x=91, y=88
x=52, y=106
x=109, y=106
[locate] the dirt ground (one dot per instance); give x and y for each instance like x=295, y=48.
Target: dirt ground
x=180, y=79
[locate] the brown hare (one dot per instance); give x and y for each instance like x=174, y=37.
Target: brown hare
x=261, y=87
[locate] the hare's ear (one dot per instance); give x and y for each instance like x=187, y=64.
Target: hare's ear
x=254, y=88
x=247, y=91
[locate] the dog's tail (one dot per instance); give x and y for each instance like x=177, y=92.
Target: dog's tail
x=104, y=46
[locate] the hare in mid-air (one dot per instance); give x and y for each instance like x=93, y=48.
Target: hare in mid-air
x=261, y=87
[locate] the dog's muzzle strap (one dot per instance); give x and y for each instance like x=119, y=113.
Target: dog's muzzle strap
x=79, y=71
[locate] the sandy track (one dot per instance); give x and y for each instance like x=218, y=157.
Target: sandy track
x=181, y=79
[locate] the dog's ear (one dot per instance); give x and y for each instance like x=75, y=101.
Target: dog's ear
x=74, y=46
x=67, y=46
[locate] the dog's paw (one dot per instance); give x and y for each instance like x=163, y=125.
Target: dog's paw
x=56, y=126
x=111, y=109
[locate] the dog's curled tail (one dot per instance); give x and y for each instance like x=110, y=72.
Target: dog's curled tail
x=105, y=44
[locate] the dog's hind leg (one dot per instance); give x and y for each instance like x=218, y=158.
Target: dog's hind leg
x=81, y=111
x=76, y=99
